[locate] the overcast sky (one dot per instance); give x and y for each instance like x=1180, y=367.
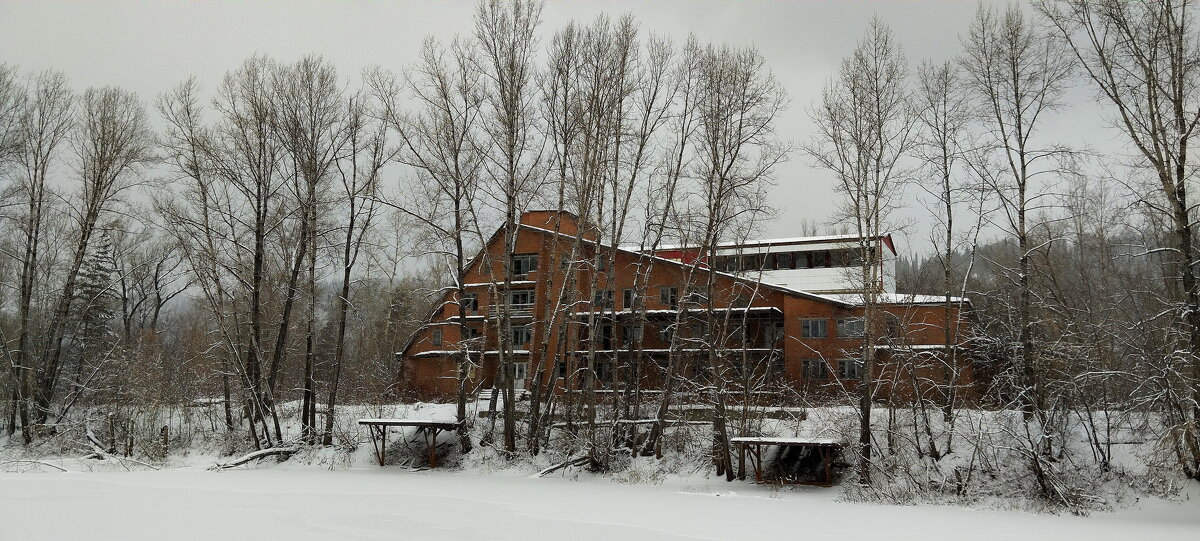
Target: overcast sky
x=149, y=46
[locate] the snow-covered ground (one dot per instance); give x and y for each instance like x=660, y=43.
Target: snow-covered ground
x=394, y=503
x=335, y=493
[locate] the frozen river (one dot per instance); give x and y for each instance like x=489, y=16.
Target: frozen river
x=397, y=504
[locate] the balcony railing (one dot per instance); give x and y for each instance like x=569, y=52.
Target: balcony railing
x=514, y=310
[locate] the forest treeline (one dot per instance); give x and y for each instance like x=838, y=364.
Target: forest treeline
x=277, y=235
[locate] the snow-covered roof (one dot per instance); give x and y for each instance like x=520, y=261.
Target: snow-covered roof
x=499, y=282
x=406, y=422
x=440, y=352
x=913, y=347
x=893, y=298
x=660, y=311
x=759, y=242
x=786, y=441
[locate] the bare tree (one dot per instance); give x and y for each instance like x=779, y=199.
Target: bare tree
x=238, y=178
x=738, y=101
x=440, y=143
x=664, y=194
x=865, y=124
x=359, y=166
x=111, y=142
x=505, y=33
x=310, y=124
x=191, y=217
x=12, y=99
x=44, y=123
x=1017, y=74
x=943, y=115
x=1140, y=58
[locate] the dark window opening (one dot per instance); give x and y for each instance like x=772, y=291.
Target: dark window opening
x=523, y=264
x=814, y=328
x=850, y=369
x=815, y=369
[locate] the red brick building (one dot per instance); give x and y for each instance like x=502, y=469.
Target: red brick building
x=768, y=335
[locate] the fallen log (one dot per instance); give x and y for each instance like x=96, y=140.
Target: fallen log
x=39, y=462
x=248, y=457
x=578, y=461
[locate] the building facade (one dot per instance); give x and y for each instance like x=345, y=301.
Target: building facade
x=586, y=314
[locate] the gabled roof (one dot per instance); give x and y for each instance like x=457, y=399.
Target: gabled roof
x=789, y=241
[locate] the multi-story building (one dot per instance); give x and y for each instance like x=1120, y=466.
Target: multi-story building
x=748, y=317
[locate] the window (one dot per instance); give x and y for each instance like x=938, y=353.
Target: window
x=853, y=327
x=783, y=261
x=774, y=333
x=520, y=335
x=666, y=333
x=893, y=326
x=472, y=333
x=470, y=302
x=693, y=295
x=560, y=368
x=814, y=328
x=520, y=296
x=523, y=264
x=818, y=259
x=606, y=337
x=669, y=296
x=436, y=337
x=850, y=369
x=602, y=299
x=842, y=258
x=631, y=334
x=518, y=371
x=778, y=368
x=627, y=298
x=603, y=371
x=815, y=369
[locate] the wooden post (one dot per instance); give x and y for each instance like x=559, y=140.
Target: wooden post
x=828, y=454
x=431, y=444
x=758, y=475
x=741, y=461
x=381, y=448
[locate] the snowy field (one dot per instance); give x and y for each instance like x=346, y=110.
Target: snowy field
x=394, y=503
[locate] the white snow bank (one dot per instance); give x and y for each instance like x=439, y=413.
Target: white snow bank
x=374, y=503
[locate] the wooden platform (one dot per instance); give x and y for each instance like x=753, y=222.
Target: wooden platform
x=825, y=447
x=428, y=427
